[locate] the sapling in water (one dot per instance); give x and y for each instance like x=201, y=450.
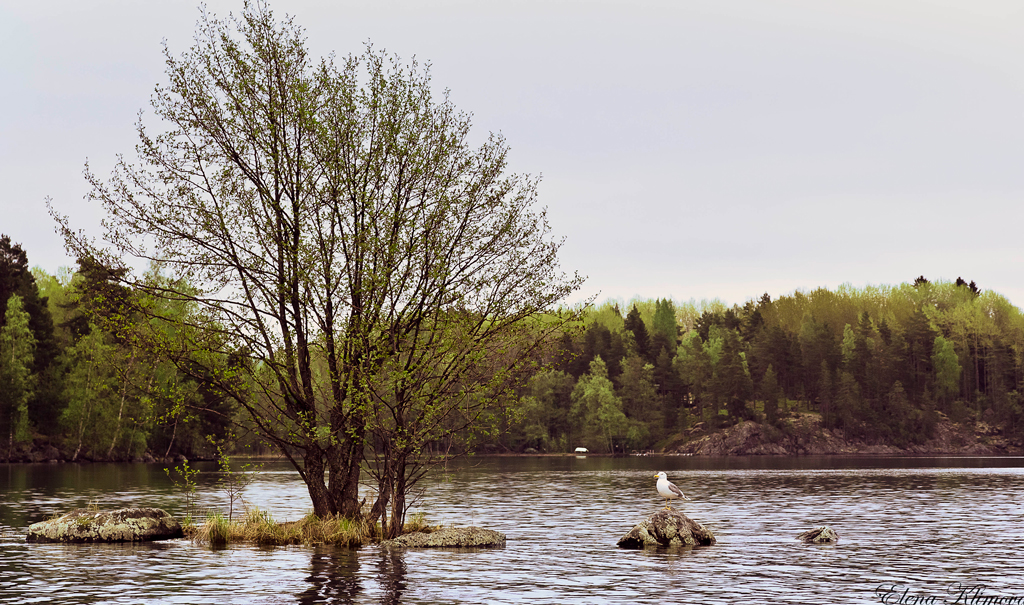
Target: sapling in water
x=184, y=479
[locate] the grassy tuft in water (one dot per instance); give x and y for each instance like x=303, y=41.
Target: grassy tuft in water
x=216, y=530
x=336, y=530
x=258, y=527
x=418, y=523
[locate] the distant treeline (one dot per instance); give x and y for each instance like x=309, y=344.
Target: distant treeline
x=878, y=363
x=75, y=381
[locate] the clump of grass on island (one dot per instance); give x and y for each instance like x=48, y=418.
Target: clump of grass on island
x=259, y=528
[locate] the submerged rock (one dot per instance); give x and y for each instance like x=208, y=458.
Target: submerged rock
x=450, y=537
x=122, y=525
x=821, y=535
x=667, y=528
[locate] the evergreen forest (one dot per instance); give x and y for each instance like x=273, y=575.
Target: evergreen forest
x=879, y=363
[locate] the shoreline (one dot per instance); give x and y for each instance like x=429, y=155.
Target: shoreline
x=799, y=434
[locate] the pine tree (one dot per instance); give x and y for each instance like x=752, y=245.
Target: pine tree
x=664, y=330
x=731, y=382
x=637, y=389
x=641, y=339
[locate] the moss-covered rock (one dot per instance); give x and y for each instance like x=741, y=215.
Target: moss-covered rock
x=820, y=535
x=449, y=537
x=122, y=525
x=667, y=528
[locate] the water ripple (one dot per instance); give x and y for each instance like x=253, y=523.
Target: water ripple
x=923, y=524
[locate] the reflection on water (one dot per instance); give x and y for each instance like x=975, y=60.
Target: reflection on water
x=924, y=523
x=391, y=575
x=333, y=576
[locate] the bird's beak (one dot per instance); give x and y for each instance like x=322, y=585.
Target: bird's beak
x=655, y=476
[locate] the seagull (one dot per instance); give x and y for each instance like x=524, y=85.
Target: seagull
x=668, y=490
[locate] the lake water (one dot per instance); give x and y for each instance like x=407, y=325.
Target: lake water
x=909, y=528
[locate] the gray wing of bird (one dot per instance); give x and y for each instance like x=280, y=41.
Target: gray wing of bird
x=675, y=490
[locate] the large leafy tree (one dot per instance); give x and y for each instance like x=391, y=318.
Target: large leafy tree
x=354, y=267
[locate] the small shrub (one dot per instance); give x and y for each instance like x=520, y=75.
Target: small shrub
x=960, y=413
x=183, y=477
x=234, y=483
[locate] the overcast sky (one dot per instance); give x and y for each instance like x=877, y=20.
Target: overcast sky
x=689, y=149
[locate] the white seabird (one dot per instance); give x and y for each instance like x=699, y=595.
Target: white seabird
x=668, y=490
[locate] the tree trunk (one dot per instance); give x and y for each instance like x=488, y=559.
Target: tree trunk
x=120, y=411
x=380, y=506
x=85, y=410
x=174, y=432
x=345, y=480
x=398, y=500
x=323, y=504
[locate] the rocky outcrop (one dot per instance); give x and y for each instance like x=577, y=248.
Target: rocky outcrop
x=820, y=535
x=449, y=537
x=123, y=525
x=667, y=528
x=805, y=434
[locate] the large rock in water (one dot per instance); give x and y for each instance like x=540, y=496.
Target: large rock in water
x=667, y=528
x=450, y=537
x=820, y=535
x=122, y=525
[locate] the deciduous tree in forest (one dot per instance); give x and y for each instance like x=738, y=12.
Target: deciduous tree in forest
x=17, y=381
x=544, y=413
x=947, y=368
x=597, y=410
x=90, y=390
x=354, y=266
